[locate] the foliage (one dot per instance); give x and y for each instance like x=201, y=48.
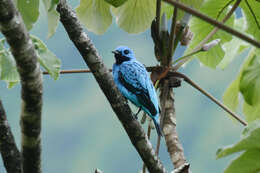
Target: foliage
x=95, y=15
x=45, y=57
x=7, y=66
x=253, y=19
x=248, y=161
x=29, y=10
x=52, y=15
x=246, y=83
x=213, y=57
x=135, y=16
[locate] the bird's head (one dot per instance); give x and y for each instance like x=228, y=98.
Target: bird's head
x=122, y=54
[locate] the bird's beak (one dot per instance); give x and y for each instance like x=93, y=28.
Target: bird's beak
x=115, y=52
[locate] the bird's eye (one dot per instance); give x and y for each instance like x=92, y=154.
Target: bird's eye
x=126, y=52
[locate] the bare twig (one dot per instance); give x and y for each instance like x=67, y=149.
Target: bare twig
x=193, y=84
x=22, y=48
x=70, y=71
x=105, y=80
x=206, y=39
x=170, y=73
x=8, y=149
x=214, y=22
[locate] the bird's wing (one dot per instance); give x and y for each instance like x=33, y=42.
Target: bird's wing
x=133, y=77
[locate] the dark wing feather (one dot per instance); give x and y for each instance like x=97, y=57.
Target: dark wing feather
x=132, y=78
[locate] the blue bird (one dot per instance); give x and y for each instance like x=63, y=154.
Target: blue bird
x=133, y=81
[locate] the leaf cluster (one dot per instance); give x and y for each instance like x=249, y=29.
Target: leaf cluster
x=46, y=58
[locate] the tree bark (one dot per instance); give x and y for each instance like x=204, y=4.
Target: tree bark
x=106, y=83
x=169, y=129
x=22, y=48
x=9, y=151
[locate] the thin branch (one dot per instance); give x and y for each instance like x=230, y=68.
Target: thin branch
x=8, y=149
x=105, y=80
x=172, y=34
x=214, y=22
x=69, y=71
x=193, y=84
x=22, y=48
x=253, y=14
x=206, y=39
x=173, y=73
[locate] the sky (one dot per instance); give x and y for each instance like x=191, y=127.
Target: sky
x=80, y=131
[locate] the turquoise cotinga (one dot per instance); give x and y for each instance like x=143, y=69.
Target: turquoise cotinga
x=135, y=84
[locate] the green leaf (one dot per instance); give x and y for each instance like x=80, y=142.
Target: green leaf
x=201, y=29
x=252, y=27
x=235, y=46
x=46, y=58
x=52, y=14
x=8, y=67
x=248, y=162
x=116, y=3
x=252, y=112
x=29, y=10
x=135, y=16
x=95, y=15
x=230, y=97
x=250, y=79
x=249, y=140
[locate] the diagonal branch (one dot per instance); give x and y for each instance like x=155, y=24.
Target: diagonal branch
x=206, y=39
x=8, y=149
x=193, y=84
x=104, y=78
x=214, y=22
x=22, y=48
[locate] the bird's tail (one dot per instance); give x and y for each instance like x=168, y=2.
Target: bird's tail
x=157, y=125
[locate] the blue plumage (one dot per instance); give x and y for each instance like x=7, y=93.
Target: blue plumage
x=134, y=83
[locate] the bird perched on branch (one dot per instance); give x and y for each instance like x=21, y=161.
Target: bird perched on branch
x=134, y=83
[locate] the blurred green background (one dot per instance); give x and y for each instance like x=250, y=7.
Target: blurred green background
x=80, y=132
